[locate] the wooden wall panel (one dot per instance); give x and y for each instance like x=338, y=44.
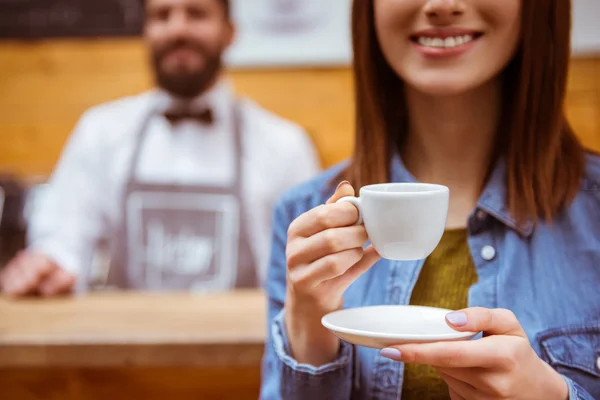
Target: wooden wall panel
x=45, y=86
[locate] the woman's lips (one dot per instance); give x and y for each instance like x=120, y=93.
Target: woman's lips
x=442, y=44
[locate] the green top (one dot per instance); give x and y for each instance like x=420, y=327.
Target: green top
x=444, y=282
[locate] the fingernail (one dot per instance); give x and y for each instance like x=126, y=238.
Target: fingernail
x=391, y=353
x=457, y=318
x=342, y=183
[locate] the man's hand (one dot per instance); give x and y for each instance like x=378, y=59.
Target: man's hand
x=34, y=273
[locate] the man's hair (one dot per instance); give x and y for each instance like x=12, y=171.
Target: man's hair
x=225, y=3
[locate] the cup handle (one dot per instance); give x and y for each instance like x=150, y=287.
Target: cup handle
x=356, y=202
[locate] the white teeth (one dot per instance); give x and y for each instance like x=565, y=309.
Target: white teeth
x=448, y=42
x=437, y=42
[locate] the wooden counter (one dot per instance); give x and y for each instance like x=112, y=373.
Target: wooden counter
x=132, y=345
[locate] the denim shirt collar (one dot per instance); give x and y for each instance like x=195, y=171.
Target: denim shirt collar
x=493, y=200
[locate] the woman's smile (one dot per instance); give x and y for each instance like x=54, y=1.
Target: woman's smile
x=444, y=43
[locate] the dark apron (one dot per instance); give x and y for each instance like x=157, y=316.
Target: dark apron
x=182, y=237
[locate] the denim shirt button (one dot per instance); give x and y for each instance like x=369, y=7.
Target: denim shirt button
x=488, y=253
x=598, y=363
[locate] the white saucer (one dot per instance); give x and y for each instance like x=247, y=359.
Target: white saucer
x=382, y=326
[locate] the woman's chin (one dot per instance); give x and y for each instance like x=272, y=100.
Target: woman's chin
x=443, y=90
x=443, y=86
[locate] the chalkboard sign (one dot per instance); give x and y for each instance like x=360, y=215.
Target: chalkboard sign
x=22, y=19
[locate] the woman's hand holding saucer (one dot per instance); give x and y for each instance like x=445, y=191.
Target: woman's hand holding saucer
x=501, y=365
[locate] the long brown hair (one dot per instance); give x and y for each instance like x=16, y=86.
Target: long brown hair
x=544, y=159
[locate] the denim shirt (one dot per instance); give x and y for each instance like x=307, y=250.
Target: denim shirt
x=548, y=274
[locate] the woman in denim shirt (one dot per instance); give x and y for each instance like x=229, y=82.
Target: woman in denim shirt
x=469, y=94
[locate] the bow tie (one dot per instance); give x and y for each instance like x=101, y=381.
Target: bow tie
x=204, y=116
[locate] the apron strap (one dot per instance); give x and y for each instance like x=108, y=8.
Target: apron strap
x=139, y=140
x=238, y=146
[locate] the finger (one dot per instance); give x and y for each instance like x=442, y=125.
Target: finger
x=19, y=279
x=458, y=388
x=24, y=280
x=369, y=258
x=489, y=321
x=324, y=269
x=484, y=380
x=6, y=279
x=34, y=268
x=330, y=241
x=344, y=189
x=11, y=281
x=472, y=376
x=8, y=270
x=40, y=264
x=17, y=286
x=57, y=283
x=25, y=273
x=321, y=218
x=29, y=272
x=462, y=354
x=453, y=395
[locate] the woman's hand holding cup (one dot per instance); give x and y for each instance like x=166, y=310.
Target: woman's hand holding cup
x=324, y=256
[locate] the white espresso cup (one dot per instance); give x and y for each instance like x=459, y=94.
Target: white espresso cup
x=404, y=221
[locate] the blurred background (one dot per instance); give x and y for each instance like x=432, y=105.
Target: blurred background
x=58, y=58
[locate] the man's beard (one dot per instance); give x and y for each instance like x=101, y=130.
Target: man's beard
x=186, y=84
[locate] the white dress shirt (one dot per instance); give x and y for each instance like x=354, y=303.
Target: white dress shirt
x=81, y=205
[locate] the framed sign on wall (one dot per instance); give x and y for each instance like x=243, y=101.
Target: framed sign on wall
x=586, y=29
x=291, y=33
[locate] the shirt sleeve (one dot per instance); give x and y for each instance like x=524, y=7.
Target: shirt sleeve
x=576, y=392
x=68, y=219
x=282, y=376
